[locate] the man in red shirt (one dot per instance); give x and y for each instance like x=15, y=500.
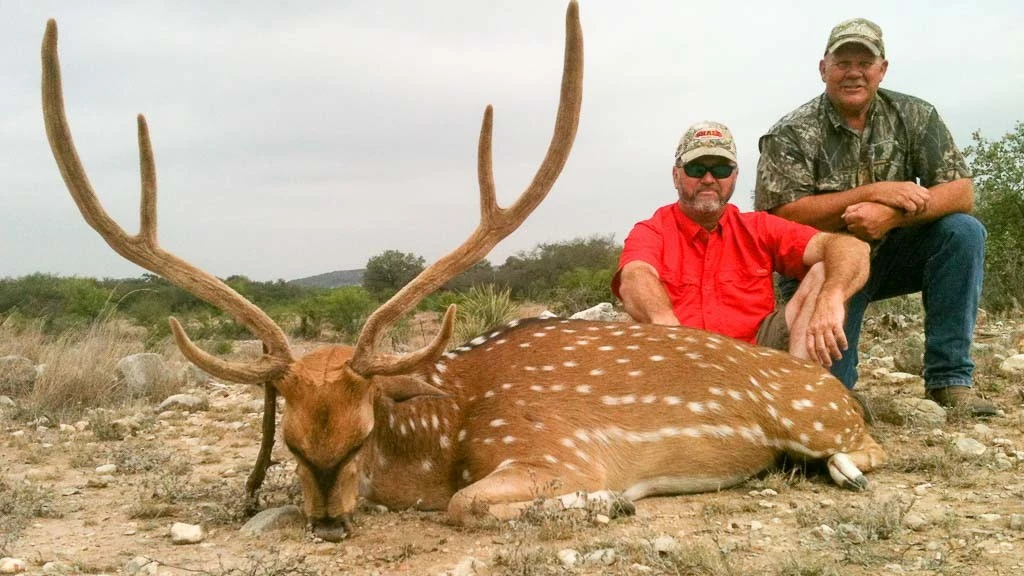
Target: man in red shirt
x=700, y=262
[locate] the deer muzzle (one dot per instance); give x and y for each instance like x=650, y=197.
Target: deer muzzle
x=332, y=529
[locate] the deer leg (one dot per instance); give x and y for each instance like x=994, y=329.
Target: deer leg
x=506, y=492
x=259, y=470
x=847, y=468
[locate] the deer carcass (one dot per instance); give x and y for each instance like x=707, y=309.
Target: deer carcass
x=543, y=408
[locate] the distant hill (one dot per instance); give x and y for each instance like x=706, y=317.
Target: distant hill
x=331, y=279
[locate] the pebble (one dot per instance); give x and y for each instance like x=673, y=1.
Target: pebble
x=1016, y=521
x=990, y=517
x=106, y=469
x=922, y=489
x=970, y=447
x=665, y=544
x=915, y=522
x=470, y=566
x=604, y=556
x=825, y=532
x=568, y=557
x=12, y=565
x=182, y=533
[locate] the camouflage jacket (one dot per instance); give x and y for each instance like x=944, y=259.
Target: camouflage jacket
x=811, y=150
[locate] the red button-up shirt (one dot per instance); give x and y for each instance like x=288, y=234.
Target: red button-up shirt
x=720, y=281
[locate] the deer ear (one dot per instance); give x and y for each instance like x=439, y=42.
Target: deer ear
x=402, y=388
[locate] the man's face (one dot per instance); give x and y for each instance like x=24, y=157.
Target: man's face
x=852, y=75
x=704, y=196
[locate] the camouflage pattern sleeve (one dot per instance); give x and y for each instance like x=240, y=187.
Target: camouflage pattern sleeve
x=784, y=171
x=938, y=159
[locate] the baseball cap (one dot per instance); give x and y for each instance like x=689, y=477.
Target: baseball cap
x=858, y=30
x=706, y=139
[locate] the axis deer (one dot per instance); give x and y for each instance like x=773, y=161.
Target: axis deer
x=545, y=408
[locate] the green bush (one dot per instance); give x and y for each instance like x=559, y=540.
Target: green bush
x=481, y=308
x=344, y=310
x=581, y=288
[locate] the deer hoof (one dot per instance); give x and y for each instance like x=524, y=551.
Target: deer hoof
x=332, y=529
x=846, y=474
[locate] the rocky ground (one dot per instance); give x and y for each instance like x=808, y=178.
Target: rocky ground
x=158, y=490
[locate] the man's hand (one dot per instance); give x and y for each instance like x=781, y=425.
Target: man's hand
x=826, y=340
x=908, y=197
x=870, y=220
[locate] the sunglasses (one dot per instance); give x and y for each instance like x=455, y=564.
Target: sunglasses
x=719, y=171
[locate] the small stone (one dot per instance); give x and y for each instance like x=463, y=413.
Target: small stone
x=901, y=378
x=12, y=565
x=1016, y=521
x=273, y=519
x=184, y=402
x=827, y=503
x=182, y=533
x=604, y=556
x=922, y=489
x=825, y=532
x=58, y=568
x=755, y=526
x=982, y=431
x=568, y=557
x=6, y=402
x=851, y=532
x=106, y=469
x=470, y=566
x=915, y=522
x=969, y=447
x=141, y=566
x=1013, y=365
x=920, y=411
x=990, y=517
x=602, y=519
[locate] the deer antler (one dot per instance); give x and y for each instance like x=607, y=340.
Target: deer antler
x=143, y=249
x=495, y=222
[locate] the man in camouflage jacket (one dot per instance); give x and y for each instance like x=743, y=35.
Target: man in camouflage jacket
x=883, y=166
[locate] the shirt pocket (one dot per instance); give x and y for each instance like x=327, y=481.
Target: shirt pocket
x=747, y=291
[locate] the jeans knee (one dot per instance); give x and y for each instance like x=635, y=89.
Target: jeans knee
x=964, y=230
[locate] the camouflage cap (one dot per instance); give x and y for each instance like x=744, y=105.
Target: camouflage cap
x=706, y=139
x=858, y=30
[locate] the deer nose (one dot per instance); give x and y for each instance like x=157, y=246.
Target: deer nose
x=332, y=529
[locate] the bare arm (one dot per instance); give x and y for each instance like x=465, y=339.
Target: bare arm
x=871, y=221
x=825, y=211
x=643, y=296
x=847, y=264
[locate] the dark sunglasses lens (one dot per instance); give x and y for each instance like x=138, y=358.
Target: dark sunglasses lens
x=694, y=170
x=721, y=171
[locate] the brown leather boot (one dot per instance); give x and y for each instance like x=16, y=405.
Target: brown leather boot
x=962, y=398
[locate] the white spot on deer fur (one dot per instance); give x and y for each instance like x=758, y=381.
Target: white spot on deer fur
x=539, y=334
x=632, y=347
x=628, y=399
x=649, y=399
x=450, y=355
x=498, y=423
x=606, y=348
x=501, y=341
x=622, y=360
x=656, y=358
x=478, y=341
x=593, y=328
x=530, y=368
x=752, y=396
x=508, y=439
x=550, y=327
x=569, y=364
x=582, y=455
x=391, y=420
x=463, y=349
x=714, y=406
x=435, y=421
x=804, y=438
x=436, y=379
x=568, y=443
x=427, y=465
x=715, y=391
x=773, y=412
x=839, y=439
x=617, y=333
x=520, y=402
x=488, y=441
x=582, y=342
x=440, y=367
x=445, y=442
x=735, y=395
x=568, y=348
x=610, y=400
x=671, y=400
x=513, y=324
x=547, y=368
x=833, y=406
x=465, y=475
x=755, y=382
x=597, y=372
x=551, y=458
x=819, y=426
x=423, y=422
x=787, y=422
x=583, y=389
x=694, y=355
x=412, y=425
x=635, y=373
x=557, y=387
x=489, y=394
x=537, y=388
x=402, y=430
x=572, y=467
x=524, y=345
x=506, y=386
x=462, y=435
x=809, y=388
x=768, y=395
x=695, y=407
x=801, y=404
x=568, y=331
x=538, y=426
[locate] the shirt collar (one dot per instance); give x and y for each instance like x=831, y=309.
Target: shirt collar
x=836, y=119
x=691, y=230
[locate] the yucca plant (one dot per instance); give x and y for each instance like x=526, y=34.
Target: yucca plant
x=481, y=307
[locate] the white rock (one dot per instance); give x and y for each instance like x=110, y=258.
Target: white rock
x=922, y=489
x=603, y=312
x=12, y=565
x=990, y=517
x=184, y=402
x=665, y=544
x=58, y=568
x=141, y=566
x=915, y=522
x=470, y=566
x=106, y=469
x=825, y=532
x=273, y=518
x=1013, y=365
x=982, y=431
x=901, y=378
x=1016, y=521
x=6, y=402
x=568, y=557
x=182, y=533
x=970, y=447
x=920, y=411
x=604, y=556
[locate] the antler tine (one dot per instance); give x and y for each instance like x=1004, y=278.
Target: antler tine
x=495, y=222
x=143, y=249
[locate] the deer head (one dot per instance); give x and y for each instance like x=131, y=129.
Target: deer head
x=330, y=393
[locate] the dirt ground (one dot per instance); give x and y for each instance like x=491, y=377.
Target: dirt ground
x=933, y=509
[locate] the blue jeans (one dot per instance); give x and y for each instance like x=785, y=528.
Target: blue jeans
x=944, y=260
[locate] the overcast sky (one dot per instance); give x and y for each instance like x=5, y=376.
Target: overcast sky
x=295, y=138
